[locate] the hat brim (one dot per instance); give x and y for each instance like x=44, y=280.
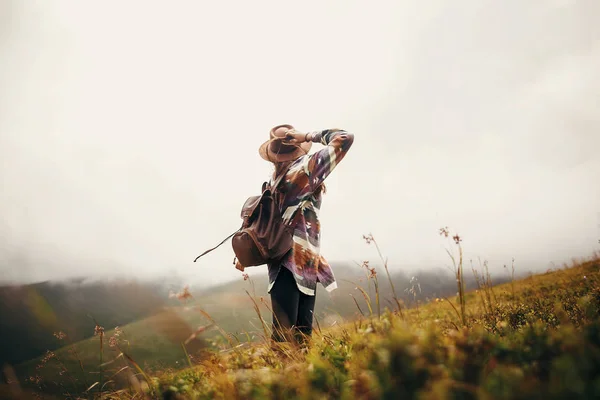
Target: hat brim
x=267, y=154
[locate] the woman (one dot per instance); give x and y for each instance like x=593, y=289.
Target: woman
x=293, y=280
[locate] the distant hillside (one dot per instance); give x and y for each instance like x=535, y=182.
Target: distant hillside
x=32, y=313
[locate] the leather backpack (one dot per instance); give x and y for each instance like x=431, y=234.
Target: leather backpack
x=263, y=237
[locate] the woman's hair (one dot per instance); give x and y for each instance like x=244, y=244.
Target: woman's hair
x=280, y=167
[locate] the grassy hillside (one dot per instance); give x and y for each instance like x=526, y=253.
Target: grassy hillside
x=537, y=337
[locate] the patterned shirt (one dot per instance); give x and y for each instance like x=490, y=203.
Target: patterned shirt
x=300, y=204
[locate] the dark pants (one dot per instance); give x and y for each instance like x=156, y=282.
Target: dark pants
x=292, y=309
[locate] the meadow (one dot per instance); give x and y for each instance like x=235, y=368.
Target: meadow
x=533, y=337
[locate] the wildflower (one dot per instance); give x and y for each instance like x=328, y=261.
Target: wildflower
x=60, y=335
x=98, y=330
x=444, y=231
x=183, y=295
x=246, y=276
x=372, y=273
x=457, y=239
x=113, y=341
x=368, y=238
x=47, y=357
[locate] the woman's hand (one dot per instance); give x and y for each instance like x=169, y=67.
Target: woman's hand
x=294, y=137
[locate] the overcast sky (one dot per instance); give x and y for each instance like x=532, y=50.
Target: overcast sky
x=129, y=129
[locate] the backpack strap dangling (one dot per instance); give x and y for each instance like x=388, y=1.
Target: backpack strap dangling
x=209, y=250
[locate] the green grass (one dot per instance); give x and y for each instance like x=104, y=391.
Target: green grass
x=533, y=338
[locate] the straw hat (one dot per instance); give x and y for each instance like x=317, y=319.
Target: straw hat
x=276, y=150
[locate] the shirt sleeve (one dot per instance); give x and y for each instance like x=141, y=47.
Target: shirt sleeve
x=320, y=164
